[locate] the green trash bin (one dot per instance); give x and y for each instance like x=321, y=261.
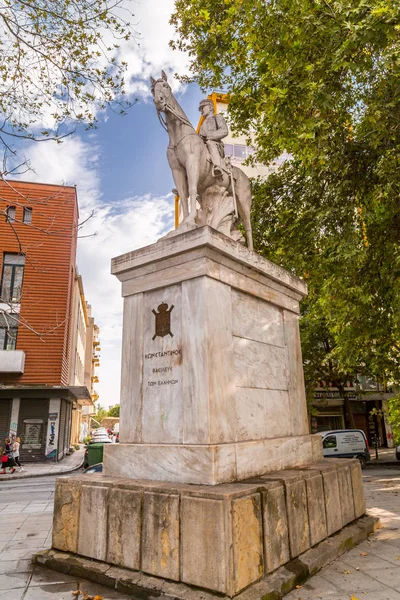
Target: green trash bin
x=95, y=453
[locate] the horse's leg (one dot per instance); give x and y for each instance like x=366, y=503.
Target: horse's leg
x=179, y=177
x=193, y=172
x=244, y=199
x=180, y=181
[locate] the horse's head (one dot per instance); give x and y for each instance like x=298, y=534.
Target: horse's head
x=161, y=91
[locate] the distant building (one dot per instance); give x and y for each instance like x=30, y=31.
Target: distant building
x=368, y=401
x=236, y=146
x=84, y=359
x=44, y=320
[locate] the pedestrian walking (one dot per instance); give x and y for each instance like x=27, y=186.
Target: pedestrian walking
x=16, y=446
x=7, y=458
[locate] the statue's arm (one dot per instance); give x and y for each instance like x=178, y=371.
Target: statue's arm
x=222, y=129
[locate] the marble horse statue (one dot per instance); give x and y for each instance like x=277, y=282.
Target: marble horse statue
x=222, y=191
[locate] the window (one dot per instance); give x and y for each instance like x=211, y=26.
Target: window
x=10, y=212
x=239, y=152
x=11, y=279
x=27, y=219
x=329, y=442
x=228, y=149
x=8, y=331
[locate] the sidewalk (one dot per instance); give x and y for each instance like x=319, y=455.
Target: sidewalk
x=67, y=464
x=385, y=456
x=26, y=529
x=372, y=569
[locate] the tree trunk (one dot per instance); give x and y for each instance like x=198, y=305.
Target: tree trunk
x=348, y=412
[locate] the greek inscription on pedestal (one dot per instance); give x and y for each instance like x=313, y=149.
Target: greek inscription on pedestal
x=162, y=365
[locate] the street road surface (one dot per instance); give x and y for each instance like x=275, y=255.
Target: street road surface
x=37, y=489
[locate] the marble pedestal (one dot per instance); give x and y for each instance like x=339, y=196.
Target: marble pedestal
x=212, y=377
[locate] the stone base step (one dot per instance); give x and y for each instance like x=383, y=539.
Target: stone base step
x=270, y=587
x=222, y=538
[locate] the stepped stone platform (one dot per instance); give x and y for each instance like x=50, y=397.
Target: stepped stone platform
x=220, y=538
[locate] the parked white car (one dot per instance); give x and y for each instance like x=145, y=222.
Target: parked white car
x=346, y=443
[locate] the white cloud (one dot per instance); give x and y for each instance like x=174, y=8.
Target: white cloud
x=150, y=53
x=121, y=225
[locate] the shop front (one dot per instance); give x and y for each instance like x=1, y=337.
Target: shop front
x=41, y=419
x=369, y=414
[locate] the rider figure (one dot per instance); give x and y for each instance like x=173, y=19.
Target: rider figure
x=212, y=131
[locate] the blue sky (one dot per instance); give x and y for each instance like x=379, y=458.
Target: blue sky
x=121, y=172
x=134, y=147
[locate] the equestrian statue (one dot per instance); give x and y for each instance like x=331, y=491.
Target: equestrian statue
x=201, y=172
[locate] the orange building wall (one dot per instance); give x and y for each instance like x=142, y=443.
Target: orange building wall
x=50, y=247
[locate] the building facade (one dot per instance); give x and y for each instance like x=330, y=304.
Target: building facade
x=42, y=324
x=368, y=404
x=84, y=360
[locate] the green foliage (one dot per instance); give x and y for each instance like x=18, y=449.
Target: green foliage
x=114, y=411
x=58, y=65
x=321, y=81
x=99, y=416
x=394, y=418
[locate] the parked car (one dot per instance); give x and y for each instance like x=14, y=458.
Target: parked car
x=97, y=439
x=398, y=452
x=346, y=443
x=100, y=431
x=94, y=468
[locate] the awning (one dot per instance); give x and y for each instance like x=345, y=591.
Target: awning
x=72, y=393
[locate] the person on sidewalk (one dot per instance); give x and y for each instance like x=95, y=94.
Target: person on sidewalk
x=16, y=446
x=7, y=459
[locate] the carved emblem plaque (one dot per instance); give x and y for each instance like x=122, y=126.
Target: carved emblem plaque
x=163, y=321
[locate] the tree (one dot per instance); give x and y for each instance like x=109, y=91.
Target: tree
x=319, y=80
x=114, y=411
x=59, y=66
x=100, y=414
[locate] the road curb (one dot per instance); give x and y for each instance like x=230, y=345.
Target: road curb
x=386, y=463
x=32, y=476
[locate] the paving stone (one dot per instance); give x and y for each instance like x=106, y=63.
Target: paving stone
x=13, y=581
